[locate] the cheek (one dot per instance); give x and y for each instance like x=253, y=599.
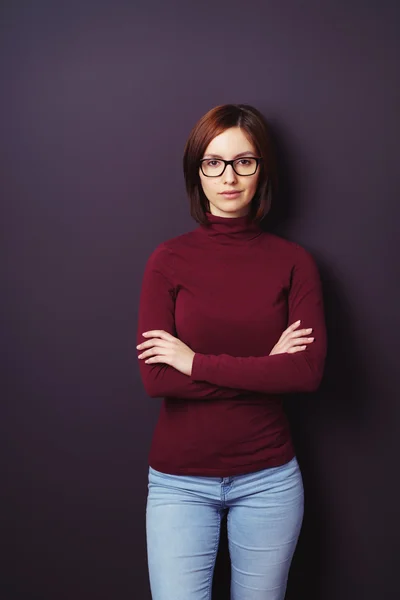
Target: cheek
x=209, y=186
x=252, y=186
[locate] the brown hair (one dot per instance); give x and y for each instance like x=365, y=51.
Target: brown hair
x=214, y=122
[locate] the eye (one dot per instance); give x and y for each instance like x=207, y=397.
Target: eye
x=213, y=163
x=244, y=161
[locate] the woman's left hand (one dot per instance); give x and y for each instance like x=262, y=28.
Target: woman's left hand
x=165, y=348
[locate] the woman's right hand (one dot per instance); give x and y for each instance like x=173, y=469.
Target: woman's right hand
x=292, y=341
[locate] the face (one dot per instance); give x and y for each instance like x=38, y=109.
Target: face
x=229, y=145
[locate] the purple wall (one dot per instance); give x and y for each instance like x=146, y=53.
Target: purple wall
x=97, y=102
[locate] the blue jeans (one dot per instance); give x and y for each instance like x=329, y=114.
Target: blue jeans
x=183, y=518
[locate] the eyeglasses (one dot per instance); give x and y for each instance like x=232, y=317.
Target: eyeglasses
x=214, y=167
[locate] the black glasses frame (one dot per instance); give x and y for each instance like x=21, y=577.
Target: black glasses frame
x=258, y=159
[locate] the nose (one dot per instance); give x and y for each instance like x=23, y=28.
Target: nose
x=229, y=174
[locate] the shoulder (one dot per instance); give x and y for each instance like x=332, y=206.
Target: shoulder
x=287, y=248
x=159, y=259
x=165, y=249
x=163, y=257
x=294, y=257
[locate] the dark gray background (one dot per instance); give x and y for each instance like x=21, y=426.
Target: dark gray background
x=97, y=101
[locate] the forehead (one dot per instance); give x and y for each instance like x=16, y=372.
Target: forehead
x=232, y=141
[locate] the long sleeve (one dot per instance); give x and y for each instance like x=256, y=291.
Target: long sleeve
x=156, y=311
x=279, y=373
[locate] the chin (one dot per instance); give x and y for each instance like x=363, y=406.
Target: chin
x=233, y=206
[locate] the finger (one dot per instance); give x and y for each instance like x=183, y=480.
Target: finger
x=296, y=349
x=291, y=336
x=301, y=340
x=153, y=352
x=152, y=342
x=289, y=330
x=294, y=343
x=301, y=332
x=159, y=333
x=157, y=359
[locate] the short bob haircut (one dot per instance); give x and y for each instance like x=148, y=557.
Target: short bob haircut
x=214, y=122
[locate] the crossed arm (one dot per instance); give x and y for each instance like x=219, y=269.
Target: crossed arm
x=225, y=376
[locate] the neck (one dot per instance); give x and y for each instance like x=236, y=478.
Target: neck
x=230, y=230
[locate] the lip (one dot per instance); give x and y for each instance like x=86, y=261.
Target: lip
x=231, y=194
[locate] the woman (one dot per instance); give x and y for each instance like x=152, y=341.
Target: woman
x=230, y=319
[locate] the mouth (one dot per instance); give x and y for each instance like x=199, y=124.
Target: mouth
x=231, y=194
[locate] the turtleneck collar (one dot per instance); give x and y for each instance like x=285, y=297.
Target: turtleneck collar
x=230, y=229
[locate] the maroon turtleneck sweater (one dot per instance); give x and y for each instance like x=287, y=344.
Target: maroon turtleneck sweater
x=228, y=290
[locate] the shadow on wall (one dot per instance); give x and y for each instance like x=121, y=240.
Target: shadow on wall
x=340, y=400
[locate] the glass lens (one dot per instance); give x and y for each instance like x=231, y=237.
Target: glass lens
x=245, y=166
x=212, y=167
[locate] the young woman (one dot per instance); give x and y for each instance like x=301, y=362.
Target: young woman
x=230, y=319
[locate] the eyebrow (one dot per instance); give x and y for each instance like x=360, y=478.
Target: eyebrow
x=247, y=153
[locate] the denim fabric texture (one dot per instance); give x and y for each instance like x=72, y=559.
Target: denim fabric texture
x=183, y=518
